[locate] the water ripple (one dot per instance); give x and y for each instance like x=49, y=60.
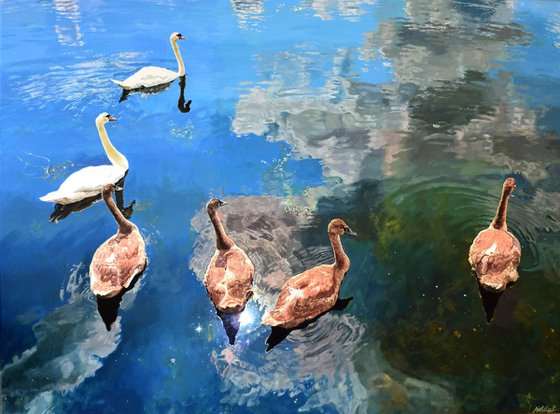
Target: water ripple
x=314, y=366
x=533, y=214
x=78, y=85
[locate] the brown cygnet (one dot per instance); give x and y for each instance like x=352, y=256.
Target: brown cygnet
x=120, y=258
x=315, y=291
x=229, y=277
x=495, y=252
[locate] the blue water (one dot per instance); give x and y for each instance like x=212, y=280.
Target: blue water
x=401, y=117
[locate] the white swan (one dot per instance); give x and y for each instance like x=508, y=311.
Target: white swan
x=151, y=76
x=89, y=181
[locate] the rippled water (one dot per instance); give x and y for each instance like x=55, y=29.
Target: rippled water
x=402, y=117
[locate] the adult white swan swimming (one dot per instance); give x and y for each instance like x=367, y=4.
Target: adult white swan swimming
x=151, y=76
x=89, y=181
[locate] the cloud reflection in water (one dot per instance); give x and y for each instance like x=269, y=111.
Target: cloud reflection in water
x=315, y=365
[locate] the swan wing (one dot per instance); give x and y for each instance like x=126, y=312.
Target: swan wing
x=303, y=297
x=494, y=257
x=117, y=262
x=84, y=183
x=148, y=77
x=229, y=279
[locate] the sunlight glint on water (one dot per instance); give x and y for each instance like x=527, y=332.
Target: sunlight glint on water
x=401, y=117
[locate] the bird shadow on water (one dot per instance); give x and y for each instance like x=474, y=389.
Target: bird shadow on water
x=184, y=108
x=278, y=334
x=490, y=301
x=108, y=308
x=231, y=323
x=61, y=211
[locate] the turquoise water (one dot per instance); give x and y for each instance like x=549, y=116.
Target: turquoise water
x=403, y=118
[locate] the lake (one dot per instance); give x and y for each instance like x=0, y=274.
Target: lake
x=401, y=117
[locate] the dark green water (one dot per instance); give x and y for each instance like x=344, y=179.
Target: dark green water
x=403, y=118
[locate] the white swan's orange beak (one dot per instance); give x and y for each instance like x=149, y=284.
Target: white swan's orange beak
x=180, y=37
x=112, y=118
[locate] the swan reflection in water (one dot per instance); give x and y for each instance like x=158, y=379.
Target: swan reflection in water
x=61, y=211
x=184, y=108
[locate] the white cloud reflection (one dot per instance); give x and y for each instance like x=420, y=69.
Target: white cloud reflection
x=71, y=343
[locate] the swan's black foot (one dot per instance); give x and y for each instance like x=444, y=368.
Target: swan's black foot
x=128, y=211
x=341, y=304
x=276, y=336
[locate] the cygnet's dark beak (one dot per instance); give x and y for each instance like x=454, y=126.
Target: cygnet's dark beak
x=349, y=231
x=112, y=118
x=223, y=203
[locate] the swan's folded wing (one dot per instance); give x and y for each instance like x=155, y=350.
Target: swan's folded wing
x=92, y=179
x=115, y=264
x=149, y=76
x=305, y=287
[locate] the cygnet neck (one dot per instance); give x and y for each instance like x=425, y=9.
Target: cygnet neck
x=499, y=221
x=223, y=242
x=341, y=260
x=124, y=225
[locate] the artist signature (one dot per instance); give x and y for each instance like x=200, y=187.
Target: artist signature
x=545, y=409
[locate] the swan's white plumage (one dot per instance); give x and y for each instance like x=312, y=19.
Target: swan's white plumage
x=148, y=77
x=89, y=181
x=84, y=183
x=151, y=76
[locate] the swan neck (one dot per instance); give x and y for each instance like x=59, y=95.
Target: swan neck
x=223, y=242
x=181, y=69
x=125, y=226
x=114, y=156
x=499, y=221
x=341, y=260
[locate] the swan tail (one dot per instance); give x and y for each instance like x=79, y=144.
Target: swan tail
x=59, y=197
x=121, y=84
x=268, y=319
x=51, y=197
x=228, y=305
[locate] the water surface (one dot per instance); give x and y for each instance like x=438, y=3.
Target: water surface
x=401, y=117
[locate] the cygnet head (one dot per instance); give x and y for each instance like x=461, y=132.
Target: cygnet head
x=214, y=205
x=339, y=227
x=509, y=183
x=103, y=118
x=176, y=36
